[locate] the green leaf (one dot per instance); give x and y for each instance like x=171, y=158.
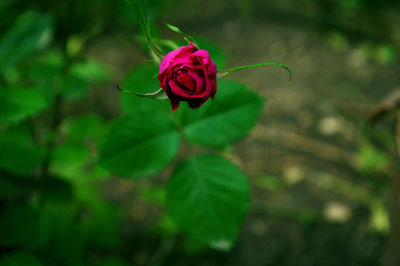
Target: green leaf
x=103, y=224
x=55, y=189
x=224, y=120
x=74, y=87
x=51, y=187
x=19, y=259
x=22, y=226
x=85, y=127
x=18, y=152
x=5, y=7
x=208, y=197
x=31, y=32
x=371, y=160
x=111, y=261
x=102, y=220
x=139, y=146
x=8, y=188
x=44, y=72
x=69, y=158
x=90, y=71
x=66, y=232
x=142, y=79
x=18, y=103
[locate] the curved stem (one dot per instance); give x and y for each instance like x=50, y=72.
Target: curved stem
x=158, y=94
x=231, y=70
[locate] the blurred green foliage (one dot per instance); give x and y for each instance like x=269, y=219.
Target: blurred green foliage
x=50, y=164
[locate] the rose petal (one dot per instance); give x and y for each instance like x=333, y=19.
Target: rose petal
x=180, y=55
x=186, y=81
x=214, y=88
x=209, y=66
x=175, y=89
x=172, y=98
x=198, y=77
x=188, y=66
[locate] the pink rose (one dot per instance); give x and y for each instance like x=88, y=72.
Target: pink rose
x=188, y=74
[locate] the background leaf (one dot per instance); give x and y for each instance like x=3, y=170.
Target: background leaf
x=142, y=79
x=49, y=188
x=18, y=152
x=8, y=189
x=139, y=146
x=83, y=128
x=22, y=226
x=31, y=31
x=19, y=258
x=224, y=120
x=74, y=87
x=208, y=197
x=70, y=157
x=90, y=71
x=17, y=103
x=44, y=72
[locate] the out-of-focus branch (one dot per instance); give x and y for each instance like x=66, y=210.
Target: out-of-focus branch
x=57, y=118
x=398, y=131
x=388, y=105
x=391, y=104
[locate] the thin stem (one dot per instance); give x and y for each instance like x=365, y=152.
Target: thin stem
x=156, y=58
x=50, y=143
x=231, y=70
x=154, y=47
x=139, y=8
x=158, y=94
x=168, y=43
x=396, y=183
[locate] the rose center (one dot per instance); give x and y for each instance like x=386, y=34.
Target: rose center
x=186, y=81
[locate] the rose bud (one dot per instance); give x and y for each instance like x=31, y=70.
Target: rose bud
x=188, y=74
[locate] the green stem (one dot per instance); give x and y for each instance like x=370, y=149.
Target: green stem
x=139, y=8
x=168, y=43
x=231, y=70
x=154, y=47
x=158, y=94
